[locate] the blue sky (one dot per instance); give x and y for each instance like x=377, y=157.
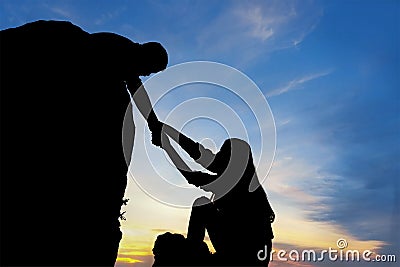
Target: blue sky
x=330, y=72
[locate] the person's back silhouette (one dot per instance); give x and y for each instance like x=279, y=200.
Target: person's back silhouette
x=63, y=101
x=238, y=218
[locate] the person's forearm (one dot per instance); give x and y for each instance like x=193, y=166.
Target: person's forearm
x=190, y=146
x=193, y=177
x=194, y=149
x=173, y=155
x=142, y=101
x=198, y=178
x=197, y=151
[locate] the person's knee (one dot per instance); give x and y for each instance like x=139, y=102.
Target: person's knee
x=201, y=201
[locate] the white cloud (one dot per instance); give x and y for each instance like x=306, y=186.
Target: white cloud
x=297, y=188
x=251, y=29
x=263, y=21
x=61, y=12
x=283, y=122
x=260, y=25
x=294, y=84
x=109, y=15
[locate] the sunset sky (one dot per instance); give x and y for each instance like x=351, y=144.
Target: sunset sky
x=330, y=73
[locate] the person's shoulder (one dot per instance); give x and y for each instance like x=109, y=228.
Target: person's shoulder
x=113, y=42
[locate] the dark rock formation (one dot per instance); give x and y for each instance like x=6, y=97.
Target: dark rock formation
x=174, y=250
x=63, y=173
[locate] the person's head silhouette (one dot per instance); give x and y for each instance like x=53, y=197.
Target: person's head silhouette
x=128, y=59
x=230, y=152
x=153, y=58
x=234, y=166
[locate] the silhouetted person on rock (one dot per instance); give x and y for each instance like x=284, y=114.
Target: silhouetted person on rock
x=63, y=105
x=238, y=217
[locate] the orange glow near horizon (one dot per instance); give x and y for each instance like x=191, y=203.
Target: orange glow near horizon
x=128, y=260
x=147, y=218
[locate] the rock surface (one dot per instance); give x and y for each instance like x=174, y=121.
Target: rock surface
x=63, y=173
x=175, y=250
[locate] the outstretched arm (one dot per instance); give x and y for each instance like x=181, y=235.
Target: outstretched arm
x=141, y=98
x=142, y=101
x=193, y=177
x=173, y=155
x=197, y=151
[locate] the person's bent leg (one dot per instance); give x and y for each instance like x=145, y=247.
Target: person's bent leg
x=198, y=219
x=205, y=216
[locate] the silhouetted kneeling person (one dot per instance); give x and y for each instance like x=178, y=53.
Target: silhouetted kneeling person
x=238, y=217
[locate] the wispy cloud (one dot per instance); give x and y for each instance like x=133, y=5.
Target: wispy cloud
x=250, y=29
x=294, y=84
x=134, y=261
x=110, y=15
x=283, y=122
x=60, y=11
x=355, y=174
x=260, y=26
x=263, y=21
x=297, y=190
